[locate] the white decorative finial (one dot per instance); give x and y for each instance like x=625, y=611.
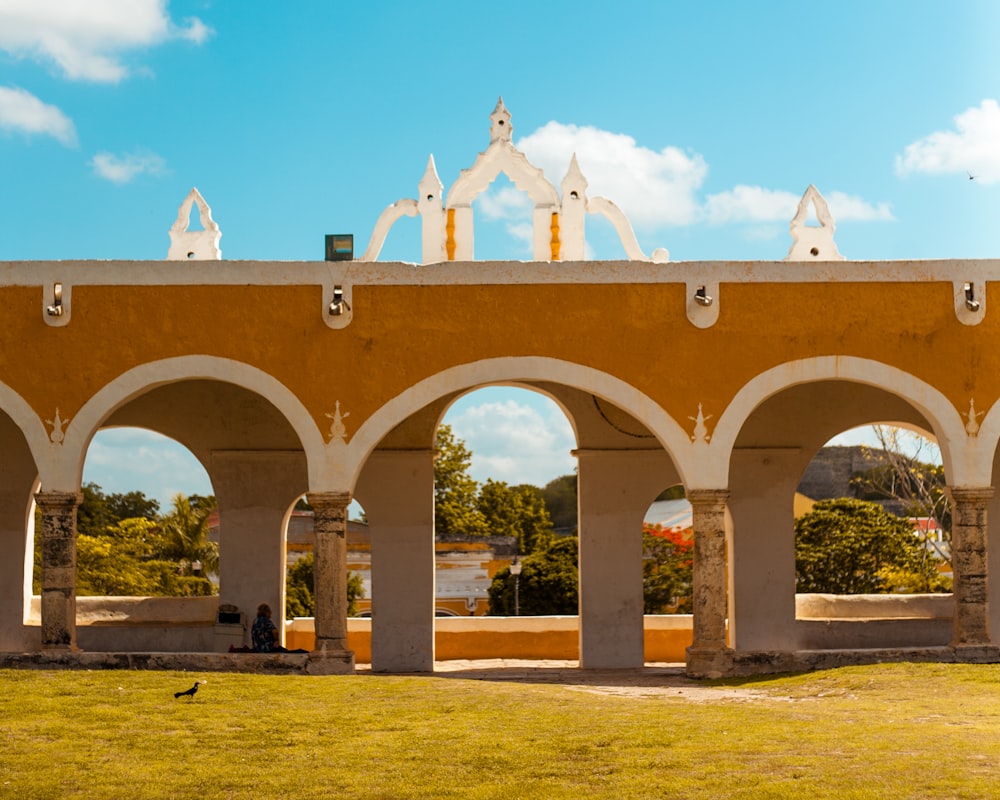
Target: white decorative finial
x=812, y=242
x=501, y=130
x=700, y=429
x=972, y=419
x=338, y=431
x=58, y=428
x=430, y=186
x=574, y=185
x=186, y=245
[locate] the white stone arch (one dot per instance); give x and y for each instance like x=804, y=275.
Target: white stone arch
x=984, y=442
x=67, y=473
x=509, y=370
x=946, y=423
x=28, y=422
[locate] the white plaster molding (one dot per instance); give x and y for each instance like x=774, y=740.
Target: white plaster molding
x=671, y=435
x=614, y=215
x=970, y=301
x=338, y=295
x=959, y=452
x=187, y=245
x=68, y=471
x=811, y=242
x=985, y=442
x=385, y=273
x=58, y=425
x=573, y=214
x=338, y=430
x=32, y=428
x=430, y=191
x=502, y=156
x=388, y=218
x=57, y=303
x=702, y=302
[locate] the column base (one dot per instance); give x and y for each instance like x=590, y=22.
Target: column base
x=977, y=653
x=709, y=662
x=330, y=659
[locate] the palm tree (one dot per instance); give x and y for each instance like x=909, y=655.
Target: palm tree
x=185, y=535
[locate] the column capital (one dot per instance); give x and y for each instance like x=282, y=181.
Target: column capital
x=328, y=499
x=971, y=494
x=54, y=500
x=707, y=496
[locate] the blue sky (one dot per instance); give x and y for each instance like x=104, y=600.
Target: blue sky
x=704, y=121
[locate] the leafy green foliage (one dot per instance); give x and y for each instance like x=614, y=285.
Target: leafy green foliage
x=300, y=584
x=560, y=500
x=139, y=554
x=184, y=535
x=907, y=479
x=517, y=511
x=455, y=508
x=547, y=584
x=666, y=571
x=851, y=546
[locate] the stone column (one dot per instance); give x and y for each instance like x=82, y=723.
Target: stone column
x=708, y=655
x=330, y=591
x=968, y=559
x=58, y=568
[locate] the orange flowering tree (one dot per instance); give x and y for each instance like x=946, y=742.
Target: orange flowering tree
x=666, y=570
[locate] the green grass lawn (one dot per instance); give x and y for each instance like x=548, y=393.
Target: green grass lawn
x=889, y=731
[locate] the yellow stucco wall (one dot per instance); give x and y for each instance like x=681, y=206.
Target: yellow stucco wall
x=401, y=334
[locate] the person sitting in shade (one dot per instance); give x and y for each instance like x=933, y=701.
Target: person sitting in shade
x=264, y=633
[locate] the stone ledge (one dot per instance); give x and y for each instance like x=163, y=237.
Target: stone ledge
x=744, y=664
x=263, y=663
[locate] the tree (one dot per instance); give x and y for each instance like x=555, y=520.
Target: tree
x=667, y=563
x=185, y=535
x=548, y=583
x=851, y=546
x=99, y=511
x=455, y=509
x=908, y=478
x=300, y=584
x=517, y=511
x=560, y=500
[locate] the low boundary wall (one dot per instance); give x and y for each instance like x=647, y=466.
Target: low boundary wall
x=823, y=622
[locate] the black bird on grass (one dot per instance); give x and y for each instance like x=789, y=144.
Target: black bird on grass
x=190, y=692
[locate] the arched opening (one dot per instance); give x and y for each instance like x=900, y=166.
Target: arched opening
x=779, y=469
x=146, y=525
x=621, y=467
x=18, y=483
x=251, y=459
x=503, y=222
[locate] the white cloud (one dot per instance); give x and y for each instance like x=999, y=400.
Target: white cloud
x=22, y=111
x=122, y=169
x=750, y=204
x=514, y=442
x=134, y=459
x=86, y=39
x=653, y=188
x=757, y=204
x=504, y=203
x=973, y=146
x=846, y=207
